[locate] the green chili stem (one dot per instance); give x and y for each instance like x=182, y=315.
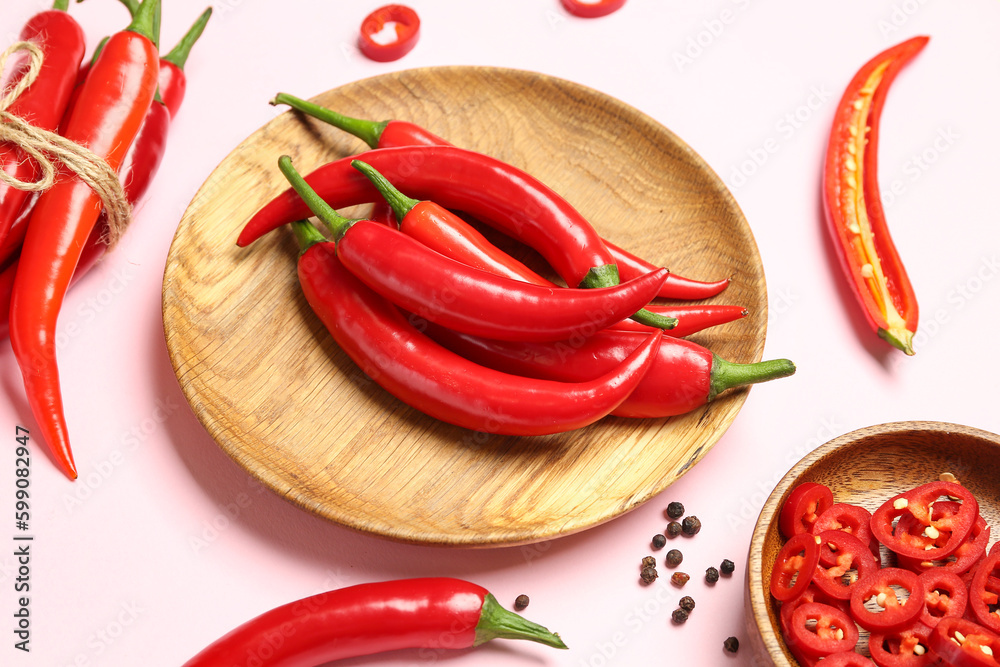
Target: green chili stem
x=400, y=203
x=307, y=235
x=144, y=20
x=727, y=374
x=97, y=51
x=336, y=223
x=368, y=131
x=179, y=54
x=61, y=5
x=131, y=5
x=497, y=622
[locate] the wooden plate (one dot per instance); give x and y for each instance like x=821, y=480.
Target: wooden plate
x=866, y=467
x=276, y=393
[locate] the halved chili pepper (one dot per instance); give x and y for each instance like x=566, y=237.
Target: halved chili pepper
x=395, y=133
x=466, y=299
x=958, y=561
x=63, y=44
x=818, y=630
x=887, y=612
x=592, y=9
x=918, y=502
x=365, y=619
x=440, y=383
x=400, y=21
x=794, y=567
x=907, y=647
x=945, y=595
x=850, y=518
x=802, y=507
x=842, y=555
x=853, y=206
x=959, y=642
x=684, y=375
x=111, y=108
x=984, y=593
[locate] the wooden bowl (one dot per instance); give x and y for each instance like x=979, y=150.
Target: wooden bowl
x=866, y=467
x=277, y=394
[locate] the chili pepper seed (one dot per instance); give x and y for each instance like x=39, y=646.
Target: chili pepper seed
x=675, y=510
x=659, y=540
x=520, y=602
x=673, y=529
x=674, y=558
x=727, y=567
x=679, y=578
x=711, y=575
x=732, y=644
x=649, y=575
x=690, y=525
x=687, y=603
x=679, y=615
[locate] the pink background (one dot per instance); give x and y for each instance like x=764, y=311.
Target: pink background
x=164, y=543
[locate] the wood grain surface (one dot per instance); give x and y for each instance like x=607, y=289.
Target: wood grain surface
x=276, y=393
x=866, y=467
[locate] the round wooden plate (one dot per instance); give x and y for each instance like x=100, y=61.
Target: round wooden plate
x=275, y=392
x=866, y=467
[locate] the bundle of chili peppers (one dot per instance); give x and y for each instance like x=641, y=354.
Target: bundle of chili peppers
x=118, y=106
x=932, y=601
x=459, y=329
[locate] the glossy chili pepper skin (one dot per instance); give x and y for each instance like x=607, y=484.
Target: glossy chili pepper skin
x=684, y=376
x=395, y=133
x=111, y=108
x=373, y=618
x=445, y=385
x=63, y=44
x=592, y=10
x=852, y=204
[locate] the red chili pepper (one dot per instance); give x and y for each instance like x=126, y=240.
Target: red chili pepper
x=173, y=80
x=6, y=289
x=440, y=383
x=812, y=593
x=818, y=629
x=902, y=648
x=690, y=319
x=684, y=375
x=917, y=502
x=847, y=659
x=110, y=111
x=958, y=642
x=466, y=299
x=853, y=206
x=984, y=593
x=958, y=561
x=63, y=44
x=794, y=567
x=881, y=584
x=802, y=507
x=372, y=618
x=840, y=553
x=399, y=20
x=591, y=9
x=852, y=519
x=945, y=595
x=396, y=133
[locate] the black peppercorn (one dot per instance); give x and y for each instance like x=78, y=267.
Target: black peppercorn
x=673, y=529
x=675, y=510
x=520, y=602
x=674, y=558
x=679, y=615
x=711, y=575
x=648, y=561
x=659, y=541
x=727, y=567
x=679, y=579
x=648, y=575
x=732, y=644
x=687, y=603
x=690, y=525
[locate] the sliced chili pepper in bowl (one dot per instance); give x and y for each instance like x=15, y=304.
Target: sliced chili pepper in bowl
x=958, y=642
x=849, y=518
x=958, y=561
x=984, y=593
x=802, y=508
x=591, y=9
x=389, y=33
x=918, y=502
x=812, y=593
x=887, y=611
x=847, y=659
x=844, y=560
x=817, y=630
x=945, y=595
x=907, y=647
x=794, y=567
x=854, y=215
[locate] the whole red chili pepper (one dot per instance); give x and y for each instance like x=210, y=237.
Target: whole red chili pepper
x=853, y=206
x=593, y=9
x=438, y=382
x=684, y=375
x=393, y=133
x=372, y=618
x=110, y=111
x=462, y=297
x=404, y=24
x=63, y=44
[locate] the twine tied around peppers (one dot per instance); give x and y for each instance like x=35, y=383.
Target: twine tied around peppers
x=48, y=148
